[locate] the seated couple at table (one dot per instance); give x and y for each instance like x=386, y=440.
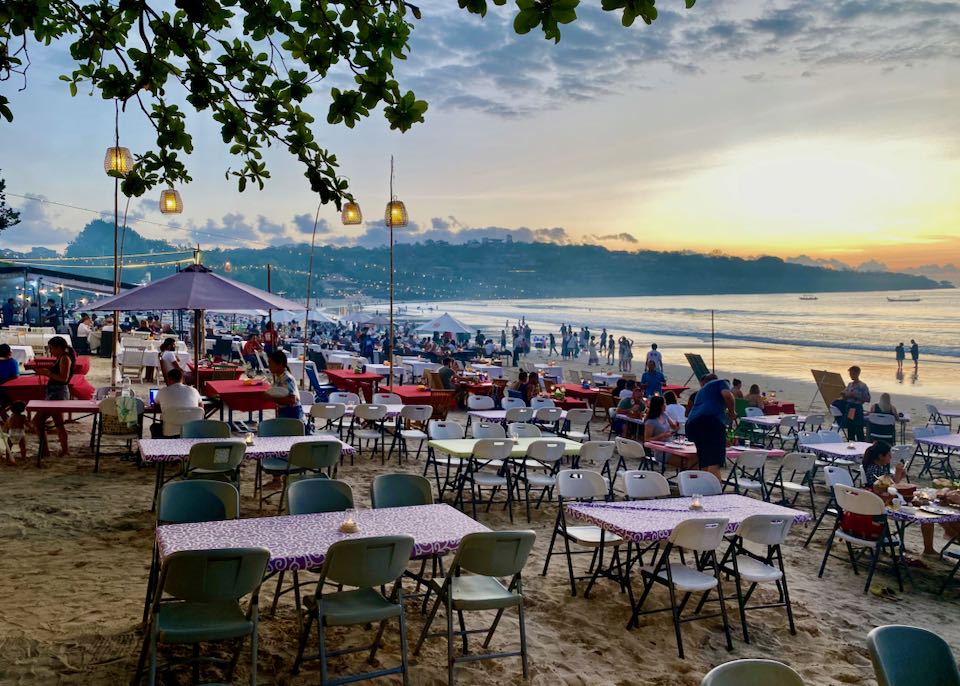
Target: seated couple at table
x=657, y=423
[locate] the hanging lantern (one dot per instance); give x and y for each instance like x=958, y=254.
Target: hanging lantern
x=395, y=214
x=227, y=267
x=351, y=214
x=170, y=201
x=118, y=160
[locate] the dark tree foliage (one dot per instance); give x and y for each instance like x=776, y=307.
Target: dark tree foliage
x=8, y=216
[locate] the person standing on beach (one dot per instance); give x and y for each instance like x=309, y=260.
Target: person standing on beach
x=603, y=339
x=914, y=353
x=901, y=356
x=610, y=351
x=856, y=394
x=594, y=359
x=553, y=345
x=655, y=357
x=707, y=423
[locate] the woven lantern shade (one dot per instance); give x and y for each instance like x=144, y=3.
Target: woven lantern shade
x=396, y=213
x=351, y=214
x=118, y=160
x=170, y=202
x=227, y=267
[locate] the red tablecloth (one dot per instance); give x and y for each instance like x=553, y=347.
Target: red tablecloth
x=570, y=403
x=240, y=397
x=779, y=408
x=206, y=373
x=81, y=366
x=27, y=388
x=479, y=388
x=677, y=390
x=409, y=394
x=577, y=391
x=348, y=380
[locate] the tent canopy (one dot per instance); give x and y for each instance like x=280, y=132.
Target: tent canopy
x=443, y=324
x=196, y=288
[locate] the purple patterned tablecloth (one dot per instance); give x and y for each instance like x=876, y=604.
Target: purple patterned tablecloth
x=302, y=541
x=654, y=520
x=177, y=449
x=917, y=516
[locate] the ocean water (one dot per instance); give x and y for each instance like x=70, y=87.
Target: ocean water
x=778, y=335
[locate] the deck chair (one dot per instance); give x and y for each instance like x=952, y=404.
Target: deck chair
x=473, y=584
x=111, y=425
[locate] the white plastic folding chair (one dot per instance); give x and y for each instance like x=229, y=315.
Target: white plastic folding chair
x=577, y=424
x=488, y=430
x=830, y=436
x=752, y=569
x=518, y=414
x=344, y=398
x=746, y=474
x=328, y=418
x=753, y=412
x=368, y=425
x=935, y=415
x=487, y=469
x=510, y=403
x=641, y=484
x=538, y=470
x=694, y=482
x=548, y=418
x=581, y=485
x=787, y=431
x=882, y=427
x=812, y=422
x=628, y=449
x=387, y=399
x=701, y=537
x=307, y=398
x=450, y=465
x=795, y=476
x=874, y=543
x=523, y=430
x=538, y=402
x=411, y=424
x=835, y=476
x=480, y=402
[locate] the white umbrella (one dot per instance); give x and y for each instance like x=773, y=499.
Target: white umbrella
x=443, y=324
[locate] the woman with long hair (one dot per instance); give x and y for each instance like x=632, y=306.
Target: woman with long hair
x=58, y=388
x=658, y=426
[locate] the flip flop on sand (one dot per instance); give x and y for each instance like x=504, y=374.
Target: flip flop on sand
x=884, y=592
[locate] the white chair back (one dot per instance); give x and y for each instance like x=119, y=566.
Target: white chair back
x=538, y=402
x=765, y=529
x=175, y=417
x=813, y=422
x=751, y=460
x=695, y=482
x=518, y=414
x=492, y=449
x=597, y=452
x=370, y=412
x=548, y=415
x=444, y=429
x=901, y=453
x=640, y=483
x=859, y=501
x=328, y=411
x=798, y=463
x=699, y=535
x=344, y=398
x=546, y=451
x=523, y=430
x=488, y=430
x=479, y=402
x=809, y=438
x=628, y=449
x=416, y=413
x=510, y=403
x=753, y=412
x=827, y=436
x=837, y=476
x=581, y=483
x=387, y=399
x=579, y=417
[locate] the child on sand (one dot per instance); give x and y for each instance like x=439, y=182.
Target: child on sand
x=14, y=431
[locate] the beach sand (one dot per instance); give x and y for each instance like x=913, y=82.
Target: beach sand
x=76, y=549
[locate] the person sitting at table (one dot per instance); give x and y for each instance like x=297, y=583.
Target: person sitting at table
x=652, y=380
x=58, y=388
x=737, y=389
x=250, y=350
x=270, y=338
x=488, y=348
x=283, y=387
x=448, y=377
x=532, y=388
x=514, y=390
x=168, y=358
x=631, y=406
x=658, y=426
x=82, y=339
x=754, y=398
x=674, y=409
x=884, y=406
x=174, y=396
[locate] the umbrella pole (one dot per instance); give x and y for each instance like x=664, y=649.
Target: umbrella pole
x=198, y=339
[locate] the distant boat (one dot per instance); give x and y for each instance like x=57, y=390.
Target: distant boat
x=809, y=297
x=903, y=300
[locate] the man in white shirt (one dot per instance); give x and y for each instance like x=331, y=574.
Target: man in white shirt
x=655, y=357
x=171, y=398
x=82, y=343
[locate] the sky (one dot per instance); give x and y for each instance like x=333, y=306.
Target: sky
x=826, y=132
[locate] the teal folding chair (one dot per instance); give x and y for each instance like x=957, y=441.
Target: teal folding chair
x=312, y=458
x=183, y=502
x=311, y=496
x=274, y=466
x=219, y=461
x=366, y=565
x=205, y=428
x=198, y=601
x=908, y=656
x=400, y=490
x=474, y=584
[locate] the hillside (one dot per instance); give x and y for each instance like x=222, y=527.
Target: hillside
x=492, y=269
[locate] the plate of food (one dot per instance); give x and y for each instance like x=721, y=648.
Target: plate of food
x=938, y=510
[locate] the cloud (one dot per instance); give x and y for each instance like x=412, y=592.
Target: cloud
x=753, y=78
x=461, y=62
x=40, y=225
x=623, y=237
x=872, y=266
x=235, y=230
x=829, y=263
x=375, y=234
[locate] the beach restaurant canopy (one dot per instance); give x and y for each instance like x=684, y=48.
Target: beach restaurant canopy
x=365, y=318
x=443, y=324
x=315, y=315
x=196, y=288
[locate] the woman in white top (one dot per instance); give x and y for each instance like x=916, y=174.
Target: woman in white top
x=674, y=410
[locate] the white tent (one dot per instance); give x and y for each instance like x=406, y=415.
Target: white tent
x=355, y=318
x=443, y=324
